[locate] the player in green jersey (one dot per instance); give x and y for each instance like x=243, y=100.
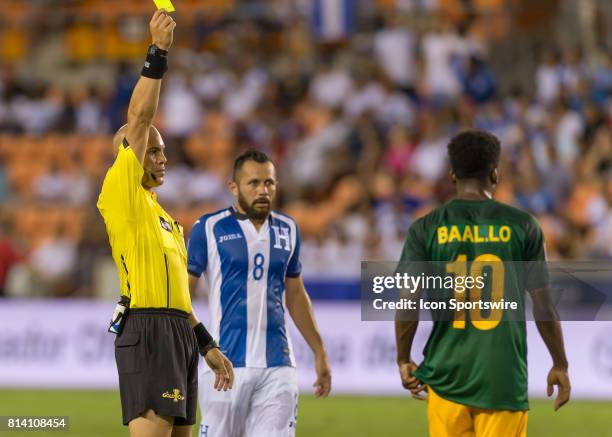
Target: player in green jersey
x=475, y=365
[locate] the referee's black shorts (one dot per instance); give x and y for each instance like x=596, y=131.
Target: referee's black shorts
x=157, y=360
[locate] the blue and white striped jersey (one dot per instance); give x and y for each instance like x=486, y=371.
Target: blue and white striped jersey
x=245, y=272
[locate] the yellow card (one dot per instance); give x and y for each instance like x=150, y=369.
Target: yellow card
x=165, y=4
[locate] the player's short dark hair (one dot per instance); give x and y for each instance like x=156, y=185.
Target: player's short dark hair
x=248, y=155
x=474, y=154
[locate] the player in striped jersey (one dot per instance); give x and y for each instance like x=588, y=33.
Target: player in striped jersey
x=250, y=257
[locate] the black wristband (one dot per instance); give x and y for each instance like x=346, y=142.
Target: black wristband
x=156, y=63
x=205, y=340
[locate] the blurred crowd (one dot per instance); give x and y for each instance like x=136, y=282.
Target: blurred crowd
x=357, y=124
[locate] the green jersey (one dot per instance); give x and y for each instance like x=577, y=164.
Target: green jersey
x=475, y=358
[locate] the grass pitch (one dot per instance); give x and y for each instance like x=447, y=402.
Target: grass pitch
x=98, y=414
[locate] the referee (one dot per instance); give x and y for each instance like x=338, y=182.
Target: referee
x=159, y=336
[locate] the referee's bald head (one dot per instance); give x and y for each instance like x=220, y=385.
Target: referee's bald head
x=154, y=137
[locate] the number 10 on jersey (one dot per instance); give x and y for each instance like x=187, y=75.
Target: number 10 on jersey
x=496, y=276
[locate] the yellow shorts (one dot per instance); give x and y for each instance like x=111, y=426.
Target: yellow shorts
x=450, y=419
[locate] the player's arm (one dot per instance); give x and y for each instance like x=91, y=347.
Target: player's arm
x=545, y=313
x=404, y=336
x=145, y=97
x=406, y=324
x=407, y=320
x=300, y=309
x=549, y=327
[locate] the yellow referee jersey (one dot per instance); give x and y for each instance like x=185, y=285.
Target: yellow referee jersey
x=148, y=245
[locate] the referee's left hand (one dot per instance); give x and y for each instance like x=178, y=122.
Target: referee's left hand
x=224, y=371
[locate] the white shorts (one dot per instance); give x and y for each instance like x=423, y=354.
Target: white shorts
x=263, y=403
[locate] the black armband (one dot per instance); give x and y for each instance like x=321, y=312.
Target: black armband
x=156, y=63
x=205, y=340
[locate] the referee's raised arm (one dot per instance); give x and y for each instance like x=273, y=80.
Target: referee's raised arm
x=145, y=97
